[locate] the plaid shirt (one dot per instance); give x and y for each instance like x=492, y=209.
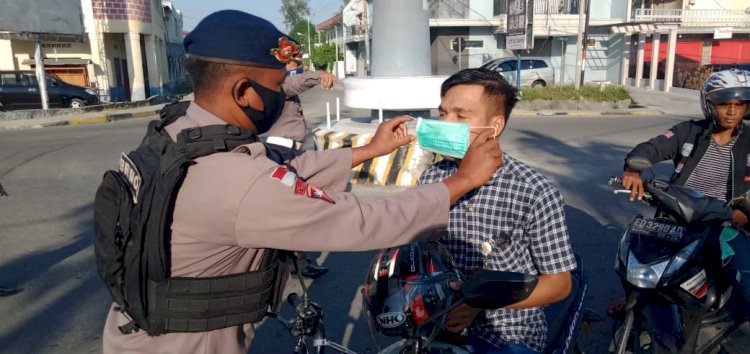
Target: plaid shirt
x=519, y=213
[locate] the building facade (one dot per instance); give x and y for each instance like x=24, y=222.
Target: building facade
x=481, y=28
x=687, y=33
x=131, y=50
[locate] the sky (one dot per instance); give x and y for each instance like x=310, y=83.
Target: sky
x=194, y=10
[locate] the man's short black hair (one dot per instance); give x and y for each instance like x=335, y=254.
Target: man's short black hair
x=206, y=75
x=496, y=89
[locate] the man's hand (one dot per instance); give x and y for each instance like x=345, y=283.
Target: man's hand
x=739, y=218
x=482, y=159
x=390, y=135
x=632, y=180
x=327, y=80
x=460, y=318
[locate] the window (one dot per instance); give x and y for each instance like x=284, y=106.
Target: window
x=499, y=7
x=526, y=64
x=507, y=66
x=474, y=43
x=29, y=80
x=10, y=79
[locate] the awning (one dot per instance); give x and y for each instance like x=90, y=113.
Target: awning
x=58, y=62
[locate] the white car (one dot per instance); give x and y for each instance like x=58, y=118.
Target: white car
x=535, y=72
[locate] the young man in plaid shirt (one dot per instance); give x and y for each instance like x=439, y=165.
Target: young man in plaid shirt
x=515, y=222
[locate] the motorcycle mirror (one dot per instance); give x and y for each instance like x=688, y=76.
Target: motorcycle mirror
x=639, y=164
x=489, y=290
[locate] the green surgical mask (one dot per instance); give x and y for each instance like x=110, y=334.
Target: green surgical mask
x=445, y=138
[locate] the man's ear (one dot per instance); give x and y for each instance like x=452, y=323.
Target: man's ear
x=244, y=94
x=498, y=122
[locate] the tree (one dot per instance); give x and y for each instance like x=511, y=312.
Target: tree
x=294, y=11
x=323, y=54
x=299, y=32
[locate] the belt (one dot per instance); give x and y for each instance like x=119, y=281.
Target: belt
x=285, y=142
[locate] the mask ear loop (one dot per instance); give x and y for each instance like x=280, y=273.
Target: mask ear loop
x=494, y=128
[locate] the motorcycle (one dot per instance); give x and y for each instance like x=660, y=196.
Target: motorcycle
x=485, y=290
x=678, y=297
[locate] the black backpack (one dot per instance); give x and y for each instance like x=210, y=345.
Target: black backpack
x=132, y=226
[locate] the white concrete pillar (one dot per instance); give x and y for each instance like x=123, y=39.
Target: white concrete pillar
x=135, y=66
x=152, y=63
x=625, y=69
x=671, y=48
x=639, y=59
x=655, y=43
x=99, y=61
x=6, y=55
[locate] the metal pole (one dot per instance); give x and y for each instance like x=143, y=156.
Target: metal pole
x=585, y=39
x=579, y=40
x=309, y=46
x=40, y=77
x=336, y=60
x=563, y=44
x=367, y=39
x=518, y=69
x=459, y=53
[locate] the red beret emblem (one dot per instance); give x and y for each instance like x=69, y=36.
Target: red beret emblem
x=286, y=51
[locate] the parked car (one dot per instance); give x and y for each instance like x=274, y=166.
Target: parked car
x=20, y=90
x=535, y=71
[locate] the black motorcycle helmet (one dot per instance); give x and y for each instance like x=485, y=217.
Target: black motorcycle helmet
x=407, y=291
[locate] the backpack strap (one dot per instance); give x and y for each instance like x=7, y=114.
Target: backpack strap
x=201, y=141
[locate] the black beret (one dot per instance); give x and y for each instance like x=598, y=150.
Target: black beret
x=236, y=37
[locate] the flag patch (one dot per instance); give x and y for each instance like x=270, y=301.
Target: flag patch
x=283, y=175
x=668, y=134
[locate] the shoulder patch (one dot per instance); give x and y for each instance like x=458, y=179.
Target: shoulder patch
x=668, y=134
x=318, y=193
x=283, y=175
x=132, y=175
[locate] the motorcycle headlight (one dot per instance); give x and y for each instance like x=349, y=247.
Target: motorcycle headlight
x=680, y=258
x=90, y=92
x=644, y=275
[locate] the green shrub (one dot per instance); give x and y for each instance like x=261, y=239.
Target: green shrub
x=610, y=93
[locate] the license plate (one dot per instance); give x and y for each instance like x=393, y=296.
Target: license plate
x=659, y=229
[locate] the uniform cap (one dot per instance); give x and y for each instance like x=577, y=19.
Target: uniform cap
x=236, y=37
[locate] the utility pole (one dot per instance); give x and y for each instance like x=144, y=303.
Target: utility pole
x=579, y=46
x=309, y=46
x=585, y=39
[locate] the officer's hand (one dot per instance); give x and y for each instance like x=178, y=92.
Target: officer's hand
x=632, y=180
x=327, y=80
x=739, y=218
x=390, y=135
x=482, y=159
x=460, y=317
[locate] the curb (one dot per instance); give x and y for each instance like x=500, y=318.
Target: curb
x=87, y=120
x=548, y=113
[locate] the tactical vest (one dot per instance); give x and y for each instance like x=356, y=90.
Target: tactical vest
x=132, y=228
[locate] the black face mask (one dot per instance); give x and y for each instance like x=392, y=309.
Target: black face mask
x=273, y=104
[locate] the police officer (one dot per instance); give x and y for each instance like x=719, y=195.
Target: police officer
x=234, y=206
x=290, y=130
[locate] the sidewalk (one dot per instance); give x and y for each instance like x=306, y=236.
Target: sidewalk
x=79, y=118
x=679, y=102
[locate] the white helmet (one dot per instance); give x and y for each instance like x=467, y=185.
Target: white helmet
x=724, y=86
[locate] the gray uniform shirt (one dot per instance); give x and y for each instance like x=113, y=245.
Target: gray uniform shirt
x=233, y=205
x=291, y=123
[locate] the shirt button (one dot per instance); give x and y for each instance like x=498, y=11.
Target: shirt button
x=470, y=208
x=470, y=239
